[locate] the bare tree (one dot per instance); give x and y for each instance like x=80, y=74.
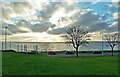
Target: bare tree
x=112, y=40
x=46, y=46
x=77, y=37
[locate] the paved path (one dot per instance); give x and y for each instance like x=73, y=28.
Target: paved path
x=85, y=54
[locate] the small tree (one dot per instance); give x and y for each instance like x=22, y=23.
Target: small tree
x=77, y=37
x=46, y=46
x=112, y=40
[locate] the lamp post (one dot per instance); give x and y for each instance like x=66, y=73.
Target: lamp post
x=102, y=42
x=5, y=38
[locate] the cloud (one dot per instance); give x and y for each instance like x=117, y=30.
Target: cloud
x=116, y=15
x=10, y=30
x=2, y=32
x=19, y=25
x=115, y=0
x=6, y=10
x=115, y=4
x=21, y=5
x=57, y=31
x=41, y=27
x=35, y=37
x=52, y=17
x=15, y=9
x=95, y=1
x=88, y=21
x=114, y=24
x=48, y=10
x=112, y=28
x=32, y=10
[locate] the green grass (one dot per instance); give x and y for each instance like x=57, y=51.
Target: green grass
x=41, y=64
x=0, y=63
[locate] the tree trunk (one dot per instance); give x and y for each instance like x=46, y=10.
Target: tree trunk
x=112, y=51
x=77, y=52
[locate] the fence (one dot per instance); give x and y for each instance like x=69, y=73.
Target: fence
x=20, y=47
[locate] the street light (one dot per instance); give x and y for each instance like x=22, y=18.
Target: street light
x=5, y=38
x=102, y=41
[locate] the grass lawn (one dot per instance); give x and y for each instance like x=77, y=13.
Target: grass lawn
x=41, y=64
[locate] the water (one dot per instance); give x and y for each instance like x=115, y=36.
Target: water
x=55, y=46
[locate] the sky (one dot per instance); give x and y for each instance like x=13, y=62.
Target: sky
x=47, y=20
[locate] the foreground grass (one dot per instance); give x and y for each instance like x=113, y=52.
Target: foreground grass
x=40, y=64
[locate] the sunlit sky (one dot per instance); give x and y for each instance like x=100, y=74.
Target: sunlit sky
x=47, y=20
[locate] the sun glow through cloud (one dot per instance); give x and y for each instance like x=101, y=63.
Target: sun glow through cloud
x=57, y=15
x=45, y=20
x=35, y=37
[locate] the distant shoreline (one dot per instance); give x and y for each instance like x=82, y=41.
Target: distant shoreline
x=84, y=51
x=47, y=42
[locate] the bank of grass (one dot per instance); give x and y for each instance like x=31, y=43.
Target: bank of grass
x=41, y=64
